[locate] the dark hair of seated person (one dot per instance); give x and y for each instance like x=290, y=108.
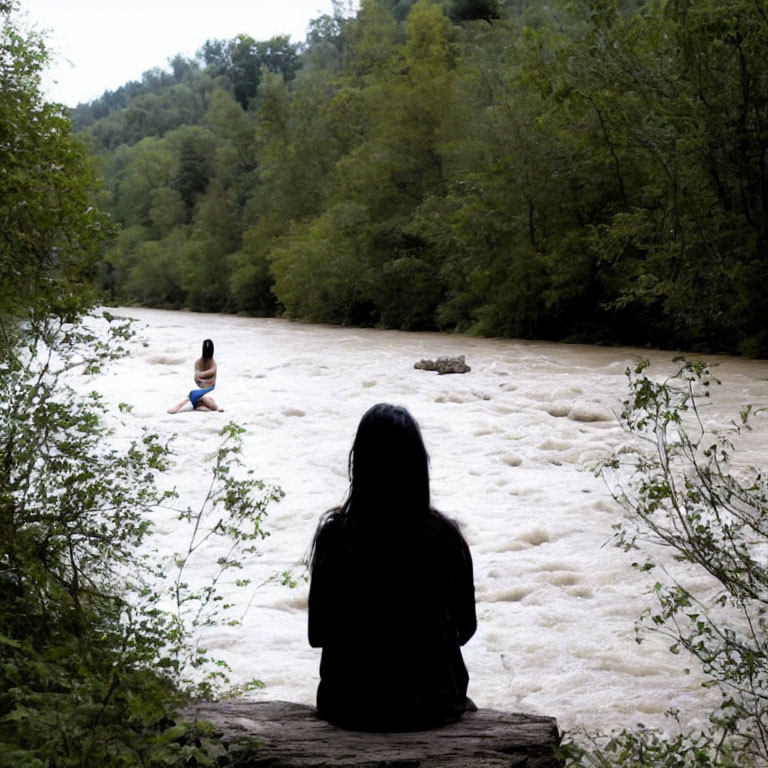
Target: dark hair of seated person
x=391, y=595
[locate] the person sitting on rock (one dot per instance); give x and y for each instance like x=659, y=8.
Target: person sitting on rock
x=391, y=595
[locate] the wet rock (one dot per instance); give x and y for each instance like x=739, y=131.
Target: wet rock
x=279, y=734
x=444, y=365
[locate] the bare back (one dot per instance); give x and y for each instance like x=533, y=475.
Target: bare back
x=205, y=372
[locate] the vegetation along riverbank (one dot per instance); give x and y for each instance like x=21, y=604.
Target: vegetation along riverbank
x=589, y=171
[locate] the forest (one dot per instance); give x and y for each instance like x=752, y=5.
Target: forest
x=586, y=171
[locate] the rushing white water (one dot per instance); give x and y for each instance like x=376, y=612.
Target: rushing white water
x=511, y=446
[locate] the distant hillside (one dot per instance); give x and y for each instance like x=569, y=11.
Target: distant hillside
x=583, y=171
x=166, y=99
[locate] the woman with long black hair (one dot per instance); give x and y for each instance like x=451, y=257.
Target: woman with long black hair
x=391, y=594
x=205, y=380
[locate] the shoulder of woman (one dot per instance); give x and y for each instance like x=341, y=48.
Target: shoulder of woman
x=443, y=520
x=326, y=535
x=330, y=522
x=449, y=527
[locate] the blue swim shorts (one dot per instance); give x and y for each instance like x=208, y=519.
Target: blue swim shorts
x=196, y=394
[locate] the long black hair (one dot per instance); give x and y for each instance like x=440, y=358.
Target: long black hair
x=388, y=465
x=386, y=521
x=388, y=484
x=207, y=349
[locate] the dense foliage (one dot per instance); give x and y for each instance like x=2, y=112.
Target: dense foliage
x=51, y=231
x=684, y=490
x=585, y=170
x=99, y=645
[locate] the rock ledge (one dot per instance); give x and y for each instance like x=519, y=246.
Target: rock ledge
x=291, y=736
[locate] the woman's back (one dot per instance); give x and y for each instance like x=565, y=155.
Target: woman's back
x=391, y=600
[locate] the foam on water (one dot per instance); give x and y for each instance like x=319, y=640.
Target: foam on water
x=511, y=445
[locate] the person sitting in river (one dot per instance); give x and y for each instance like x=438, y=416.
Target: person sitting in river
x=205, y=379
x=391, y=596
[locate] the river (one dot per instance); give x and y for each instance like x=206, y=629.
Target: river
x=512, y=444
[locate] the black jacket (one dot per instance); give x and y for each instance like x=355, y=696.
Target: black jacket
x=390, y=605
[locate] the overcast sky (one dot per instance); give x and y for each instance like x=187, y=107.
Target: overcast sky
x=101, y=44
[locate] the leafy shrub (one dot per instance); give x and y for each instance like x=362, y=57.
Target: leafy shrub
x=683, y=489
x=95, y=656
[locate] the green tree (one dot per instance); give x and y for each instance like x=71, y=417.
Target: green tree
x=236, y=159
x=166, y=211
x=214, y=235
x=145, y=168
x=116, y=265
x=51, y=233
x=370, y=42
x=154, y=271
x=379, y=133
x=194, y=148
x=251, y=278
x=678, y=110
x=470, y=10
x=321, y=269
